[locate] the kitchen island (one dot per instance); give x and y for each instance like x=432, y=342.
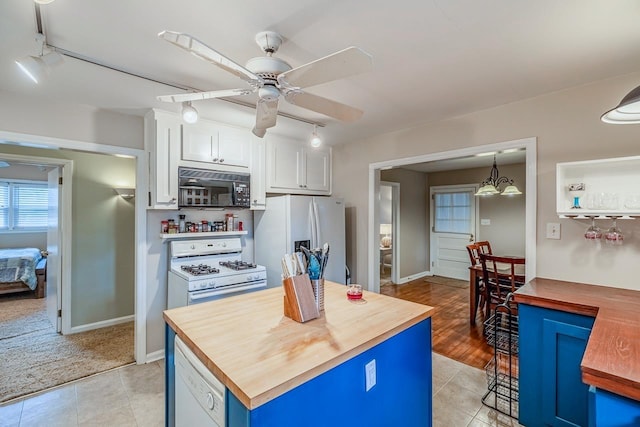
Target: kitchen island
x=579, y=354
x=279, y=372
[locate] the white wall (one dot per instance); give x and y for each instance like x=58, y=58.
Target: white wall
x=568, y=128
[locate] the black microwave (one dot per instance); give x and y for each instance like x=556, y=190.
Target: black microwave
x=202, y=188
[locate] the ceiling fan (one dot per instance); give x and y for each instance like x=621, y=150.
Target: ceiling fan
x=271, y=77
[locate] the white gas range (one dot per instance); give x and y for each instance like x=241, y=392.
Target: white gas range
x=208, y=269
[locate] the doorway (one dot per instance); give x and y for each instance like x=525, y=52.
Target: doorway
x=528, y=145
x=137, y=226
x=389, y=238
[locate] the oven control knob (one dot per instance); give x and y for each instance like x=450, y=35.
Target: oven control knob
x=210, y=401
x=224, y=245
x=193, y=246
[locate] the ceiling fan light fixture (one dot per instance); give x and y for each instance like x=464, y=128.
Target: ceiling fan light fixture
x=189, y=113
x=626, y=112
x=315, y=139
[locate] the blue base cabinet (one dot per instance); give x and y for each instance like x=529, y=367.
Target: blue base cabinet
x=552, y=344
x=612, y=410
x=402, y=395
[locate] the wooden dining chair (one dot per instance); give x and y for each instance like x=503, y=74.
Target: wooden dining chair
x=474, y=250
x=501, y=275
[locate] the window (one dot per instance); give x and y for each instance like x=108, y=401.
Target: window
x=452, y=212
x=24, y=205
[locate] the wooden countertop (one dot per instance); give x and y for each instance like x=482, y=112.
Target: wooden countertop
x=612, y=357
x=259, y=354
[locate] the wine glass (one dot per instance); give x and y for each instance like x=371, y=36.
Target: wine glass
x=593, y=233
x=614, y=236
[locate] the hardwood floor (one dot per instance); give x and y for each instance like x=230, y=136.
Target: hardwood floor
x=453, y=336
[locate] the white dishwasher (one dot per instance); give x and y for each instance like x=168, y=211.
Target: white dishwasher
x=199, y=394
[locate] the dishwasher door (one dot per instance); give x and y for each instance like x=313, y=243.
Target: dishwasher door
x=199, y=394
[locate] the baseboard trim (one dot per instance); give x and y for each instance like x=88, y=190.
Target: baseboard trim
x=101, y=324
x=407, y=279
x=156, y=355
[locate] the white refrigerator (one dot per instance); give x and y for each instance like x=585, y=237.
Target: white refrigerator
x=289, y=221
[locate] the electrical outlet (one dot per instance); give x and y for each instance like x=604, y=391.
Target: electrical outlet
x=370, y=374
x=553, y=230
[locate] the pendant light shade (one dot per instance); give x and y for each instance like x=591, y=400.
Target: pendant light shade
x=491, y=185
x=627, y=111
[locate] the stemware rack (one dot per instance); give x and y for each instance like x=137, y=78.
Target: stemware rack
x=615, y=180
x=501, y=331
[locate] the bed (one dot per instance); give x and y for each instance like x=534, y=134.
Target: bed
x=22, y=270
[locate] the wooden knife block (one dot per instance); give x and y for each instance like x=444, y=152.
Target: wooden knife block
x=299, y=301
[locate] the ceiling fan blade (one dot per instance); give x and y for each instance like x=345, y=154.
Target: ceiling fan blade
x=266, y=115
x=197, y=96
x=201, y=50
x=339, y=65
x=324, y=106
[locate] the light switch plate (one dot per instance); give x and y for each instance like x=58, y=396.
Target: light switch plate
x=553, y=230
x=485, y=221
x=370, y=374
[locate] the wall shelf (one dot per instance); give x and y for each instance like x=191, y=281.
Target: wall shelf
x=611, y=188
x=175, y=236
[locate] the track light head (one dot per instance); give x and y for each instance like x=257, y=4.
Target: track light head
x=38, y=67
x=315, y=139
x=189, y=113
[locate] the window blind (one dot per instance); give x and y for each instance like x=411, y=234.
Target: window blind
x=23, y=206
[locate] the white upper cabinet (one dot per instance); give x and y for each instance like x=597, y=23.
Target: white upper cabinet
x=295, y=168
x=610, y=187
x=162, y=136
x=213, y=143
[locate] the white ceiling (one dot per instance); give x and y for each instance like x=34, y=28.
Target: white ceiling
x=432, y=59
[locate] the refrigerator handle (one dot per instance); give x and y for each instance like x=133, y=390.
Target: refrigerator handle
x=312, y=223
x=317, y=221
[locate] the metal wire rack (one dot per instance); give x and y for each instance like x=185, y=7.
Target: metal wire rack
x=501, y=331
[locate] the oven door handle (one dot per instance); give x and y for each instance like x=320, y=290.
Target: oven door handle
x=198, y=295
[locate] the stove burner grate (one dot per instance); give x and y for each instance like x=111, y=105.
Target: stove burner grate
x=199, y=270
x=237, y=265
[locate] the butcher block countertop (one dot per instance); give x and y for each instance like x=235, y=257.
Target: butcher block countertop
x=259, y=354
x=612, y=358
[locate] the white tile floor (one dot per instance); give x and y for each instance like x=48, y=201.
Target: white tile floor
x=133, y=396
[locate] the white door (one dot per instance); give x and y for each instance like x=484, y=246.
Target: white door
x=54, y=296
x=453, y=227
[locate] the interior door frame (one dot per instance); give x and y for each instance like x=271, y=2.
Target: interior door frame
x=529, y=144
x=395, y=231
x=64, y=213
x=476, y=213
x=140, y=310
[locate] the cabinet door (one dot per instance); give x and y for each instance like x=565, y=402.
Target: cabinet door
x=258, y=178
x=318, y=170
x=162, y=140
x=234, y=147
x=199, y=142
x=552, y=345
x=564, y=396
x=285, y=162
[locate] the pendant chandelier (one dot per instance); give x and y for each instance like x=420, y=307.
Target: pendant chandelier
x=491, y=185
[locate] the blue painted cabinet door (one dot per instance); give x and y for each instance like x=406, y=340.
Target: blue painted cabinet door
x=552, y=345
x=565, y=397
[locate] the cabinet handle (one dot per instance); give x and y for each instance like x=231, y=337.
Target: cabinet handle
x=172, y=200
x=221, y=160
